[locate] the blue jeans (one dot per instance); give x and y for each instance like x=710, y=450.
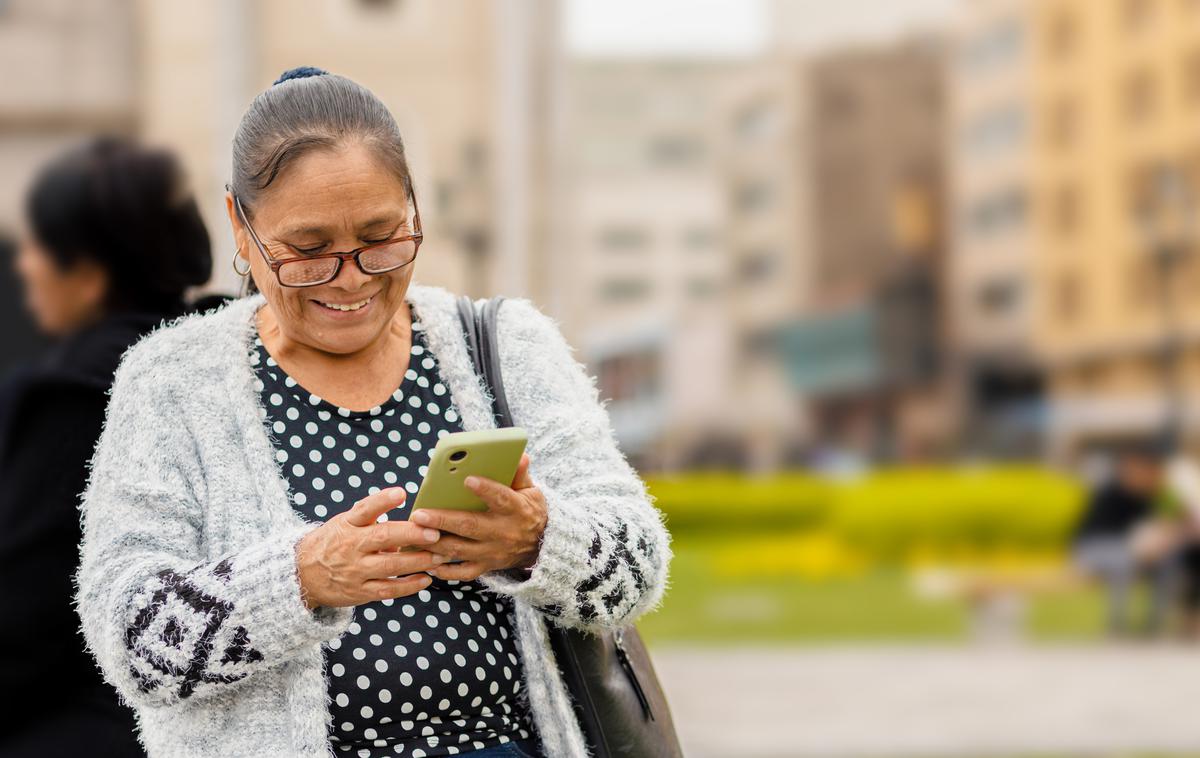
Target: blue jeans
x=515, y=749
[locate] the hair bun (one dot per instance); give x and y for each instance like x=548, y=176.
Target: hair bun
x=300, y=72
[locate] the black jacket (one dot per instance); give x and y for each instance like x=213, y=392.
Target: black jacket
x=1112, y=511
x=51, y=414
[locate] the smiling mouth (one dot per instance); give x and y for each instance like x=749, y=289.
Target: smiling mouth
x=346, y=306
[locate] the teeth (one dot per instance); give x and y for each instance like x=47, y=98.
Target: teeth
x=350, y=307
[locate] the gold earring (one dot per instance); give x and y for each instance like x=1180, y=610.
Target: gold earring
x=236, y=256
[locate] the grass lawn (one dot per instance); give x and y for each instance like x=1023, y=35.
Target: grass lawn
x=707, y=605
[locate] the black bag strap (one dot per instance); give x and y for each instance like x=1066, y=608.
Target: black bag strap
x=480, y=326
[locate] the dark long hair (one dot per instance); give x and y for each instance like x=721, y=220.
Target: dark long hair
x=126, y=207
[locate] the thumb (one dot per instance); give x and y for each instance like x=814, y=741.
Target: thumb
x=522, y=480
x=368, y=510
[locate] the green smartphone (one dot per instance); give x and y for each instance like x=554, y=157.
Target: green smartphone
x=491, y=453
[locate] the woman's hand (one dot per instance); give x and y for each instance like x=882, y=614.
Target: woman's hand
x=508, y=535
x=353, y=557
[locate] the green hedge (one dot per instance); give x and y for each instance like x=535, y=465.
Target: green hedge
x=888, y=513
x=892, y=513
x=720, y=502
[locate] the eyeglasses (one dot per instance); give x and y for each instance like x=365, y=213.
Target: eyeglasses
x=321, y=268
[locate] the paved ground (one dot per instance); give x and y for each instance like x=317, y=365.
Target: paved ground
x=933, y=701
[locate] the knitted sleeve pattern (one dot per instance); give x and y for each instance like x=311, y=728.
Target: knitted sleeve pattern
x=605, y=552
x=166, y=623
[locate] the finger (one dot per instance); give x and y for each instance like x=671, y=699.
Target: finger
x=522, y=480
x=384, y=565
x=368, y=510
x=390, y=535
x=463, y=572
x=463, y=523
x=458, y=548
x=497, y=496
x=381, y=589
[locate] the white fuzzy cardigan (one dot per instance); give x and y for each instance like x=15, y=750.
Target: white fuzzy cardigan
x=187, y=587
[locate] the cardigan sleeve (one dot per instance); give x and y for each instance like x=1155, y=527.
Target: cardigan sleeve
x=166, y=622
x=605, y=553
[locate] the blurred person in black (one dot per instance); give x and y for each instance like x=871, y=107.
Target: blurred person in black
x=112, y=239
x=1117, y=540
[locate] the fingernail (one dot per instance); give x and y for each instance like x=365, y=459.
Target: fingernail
x=431, y=535
x=420, y=517
x=398, y=494
x=471, y=481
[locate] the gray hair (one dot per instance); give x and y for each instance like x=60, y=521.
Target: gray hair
x=305, y=110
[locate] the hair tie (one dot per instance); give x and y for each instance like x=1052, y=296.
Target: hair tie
x=300, y=72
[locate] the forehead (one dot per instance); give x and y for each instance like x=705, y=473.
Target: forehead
x=329, y=188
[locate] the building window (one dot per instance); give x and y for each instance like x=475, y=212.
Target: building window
x=1065, y=210
x=1064, y=122
x=997, y=212
x=621, y=238
x=996, y=130
x=1062, y=35
x=377, y=6
x=997, y=46
x=632, y=376
x=999, y=298
x=702, y=288
x=624, y=290
x=1191, y=76
x=756, y=121
x=1138, y=14
x=1067, y=297
x=756, y=266
x=753, y=196
x=699, y=238
x=1139, y=96
x=675, y=150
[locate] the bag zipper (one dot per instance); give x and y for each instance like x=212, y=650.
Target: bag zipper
x=623, y=658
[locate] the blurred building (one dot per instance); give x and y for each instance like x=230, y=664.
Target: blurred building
x=868, y=352
x=643, y=288
x=989, y=274
x=1115, y=107
x=765, y=128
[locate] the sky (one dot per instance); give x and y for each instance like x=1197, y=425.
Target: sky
x=734, y=28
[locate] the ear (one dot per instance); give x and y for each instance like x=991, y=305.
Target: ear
x=240, y=236
x=92, y=283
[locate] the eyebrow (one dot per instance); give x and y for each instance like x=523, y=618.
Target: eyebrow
x=320, y=230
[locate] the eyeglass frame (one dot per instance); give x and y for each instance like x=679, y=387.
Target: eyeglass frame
x=275, y=264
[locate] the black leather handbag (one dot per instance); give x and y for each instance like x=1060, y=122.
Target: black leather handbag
x=617, y=696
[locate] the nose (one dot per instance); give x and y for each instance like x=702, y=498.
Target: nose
x=350, y=277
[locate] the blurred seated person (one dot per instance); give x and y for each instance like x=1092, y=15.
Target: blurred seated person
x=111, y=240
x=1123, y=536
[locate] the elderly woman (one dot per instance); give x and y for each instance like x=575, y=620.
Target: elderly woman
x=242, y=581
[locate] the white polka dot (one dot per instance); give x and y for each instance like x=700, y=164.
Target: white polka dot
x=363, y=683
x=276, y=398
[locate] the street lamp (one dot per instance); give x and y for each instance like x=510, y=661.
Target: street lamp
x=1166, y=217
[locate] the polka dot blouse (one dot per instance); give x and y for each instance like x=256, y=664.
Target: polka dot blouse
x=431, y=674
